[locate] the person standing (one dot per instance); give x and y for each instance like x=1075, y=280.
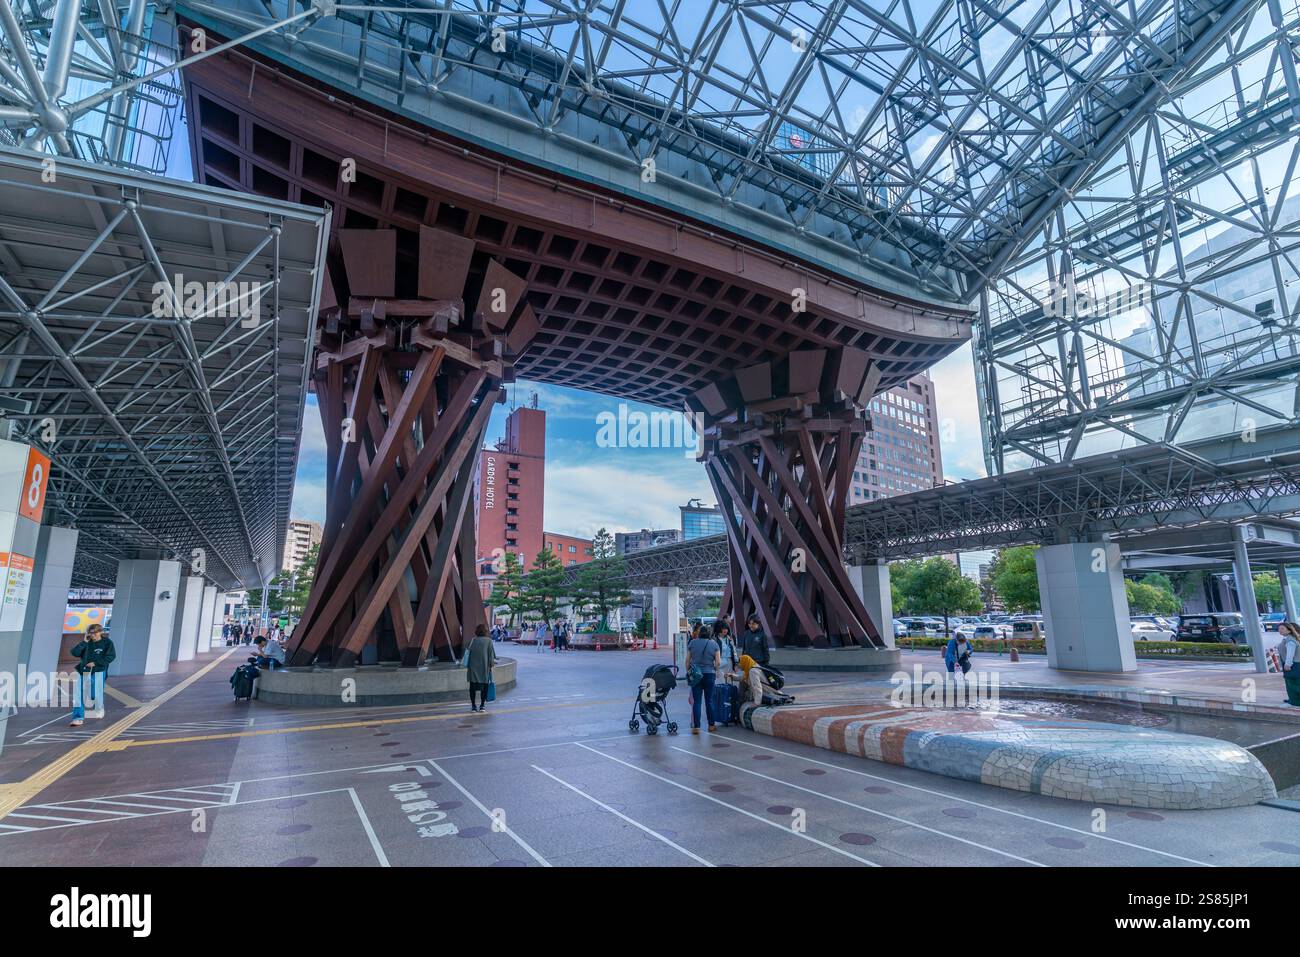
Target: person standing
x=754, y=642
x=249, y=632
x=726, y=643
x=703, y=653
x=93, y=655
x=1289, y=652
x=480, y=656
x=225, y=632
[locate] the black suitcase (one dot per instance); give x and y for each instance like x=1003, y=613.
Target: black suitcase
x=241, y=682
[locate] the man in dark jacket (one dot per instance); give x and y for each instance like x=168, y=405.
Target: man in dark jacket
x=754, y=642
x=93, y=655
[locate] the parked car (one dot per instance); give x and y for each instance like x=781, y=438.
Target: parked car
x=1218, y=626
x=900, y=629
x=1150, y=631
x=922, y=627
x=1272, y=620
x=1028, y=628
x=987, y=633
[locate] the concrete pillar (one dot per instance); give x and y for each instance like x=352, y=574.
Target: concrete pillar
x=871, y=582
x=24, y=473
x=188, y=622
x=1246, y=598
x=666, y=600
x=144, y=615
x=1288, y=596
x=209, y=608
x=1085, y=608
x=56, y=549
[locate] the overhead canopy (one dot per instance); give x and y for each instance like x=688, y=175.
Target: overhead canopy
x=172, y=424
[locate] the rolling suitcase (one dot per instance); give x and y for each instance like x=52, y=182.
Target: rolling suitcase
x=241, y=682
x=726, y=704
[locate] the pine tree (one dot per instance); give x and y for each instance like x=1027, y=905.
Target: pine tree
x=544, y=586
x=602, y=582
x=508, y=589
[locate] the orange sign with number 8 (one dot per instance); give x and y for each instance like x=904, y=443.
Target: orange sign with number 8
x=32, y=501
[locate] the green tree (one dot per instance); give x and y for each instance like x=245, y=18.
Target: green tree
x=939, y=587
x=1015, y=578
x=902, y=591
x=508, y=589
x=1268, y=590
x=1147, y=599
x=286, y=596
x=602, y=582
x=544, y=586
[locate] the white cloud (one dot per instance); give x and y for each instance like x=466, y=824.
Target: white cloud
x=959, y=415
x=620, y=496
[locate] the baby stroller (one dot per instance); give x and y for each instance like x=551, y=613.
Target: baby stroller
x=651, y=699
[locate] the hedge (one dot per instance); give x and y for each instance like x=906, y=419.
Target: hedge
x=1145, y=649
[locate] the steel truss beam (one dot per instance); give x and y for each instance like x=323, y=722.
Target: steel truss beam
x=1186, y=238
x=172, y=431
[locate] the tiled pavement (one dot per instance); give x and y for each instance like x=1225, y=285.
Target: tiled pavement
x=549, y=776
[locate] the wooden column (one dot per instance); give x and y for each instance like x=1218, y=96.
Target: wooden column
x=405, y=387
x=780, y=444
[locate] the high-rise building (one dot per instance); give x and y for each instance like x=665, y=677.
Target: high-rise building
x=901, y=453
x=627, y=543
x=699, y=521
x=508, y=490
x=303, y=534
x=569, y=549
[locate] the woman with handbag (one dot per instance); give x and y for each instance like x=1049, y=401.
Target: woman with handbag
x=480, y=656
x=703, y=662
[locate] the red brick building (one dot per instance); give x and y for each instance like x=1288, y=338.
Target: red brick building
x=569, y=549
x=508, y=490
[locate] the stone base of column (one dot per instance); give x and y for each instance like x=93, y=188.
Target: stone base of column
x=836, y=659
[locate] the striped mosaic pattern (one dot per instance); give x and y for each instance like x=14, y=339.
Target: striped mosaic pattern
x=1081, y=760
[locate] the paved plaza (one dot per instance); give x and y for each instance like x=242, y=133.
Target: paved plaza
x=177, y=773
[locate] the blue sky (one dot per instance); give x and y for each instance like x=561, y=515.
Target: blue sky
x=625, y=489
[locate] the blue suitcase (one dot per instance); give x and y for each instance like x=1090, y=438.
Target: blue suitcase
x=726, y=704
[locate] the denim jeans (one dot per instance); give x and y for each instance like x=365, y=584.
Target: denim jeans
x=95, y=683
x=703, y=690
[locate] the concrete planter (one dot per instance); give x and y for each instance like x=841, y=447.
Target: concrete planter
x=374, y=685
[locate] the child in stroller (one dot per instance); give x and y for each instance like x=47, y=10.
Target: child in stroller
x=651, y=699
x=764, y=683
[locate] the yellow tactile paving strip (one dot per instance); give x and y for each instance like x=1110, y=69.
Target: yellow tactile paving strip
x=14, y=796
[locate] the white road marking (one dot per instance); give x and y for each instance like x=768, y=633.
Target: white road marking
x=953, y=797
x=479, y=804
x=860, y=807
x=619, y=814
x=740, y=810
x=370, y=831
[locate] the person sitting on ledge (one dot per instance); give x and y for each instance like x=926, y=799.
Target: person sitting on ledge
x=754, y=684
x=270, y=653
